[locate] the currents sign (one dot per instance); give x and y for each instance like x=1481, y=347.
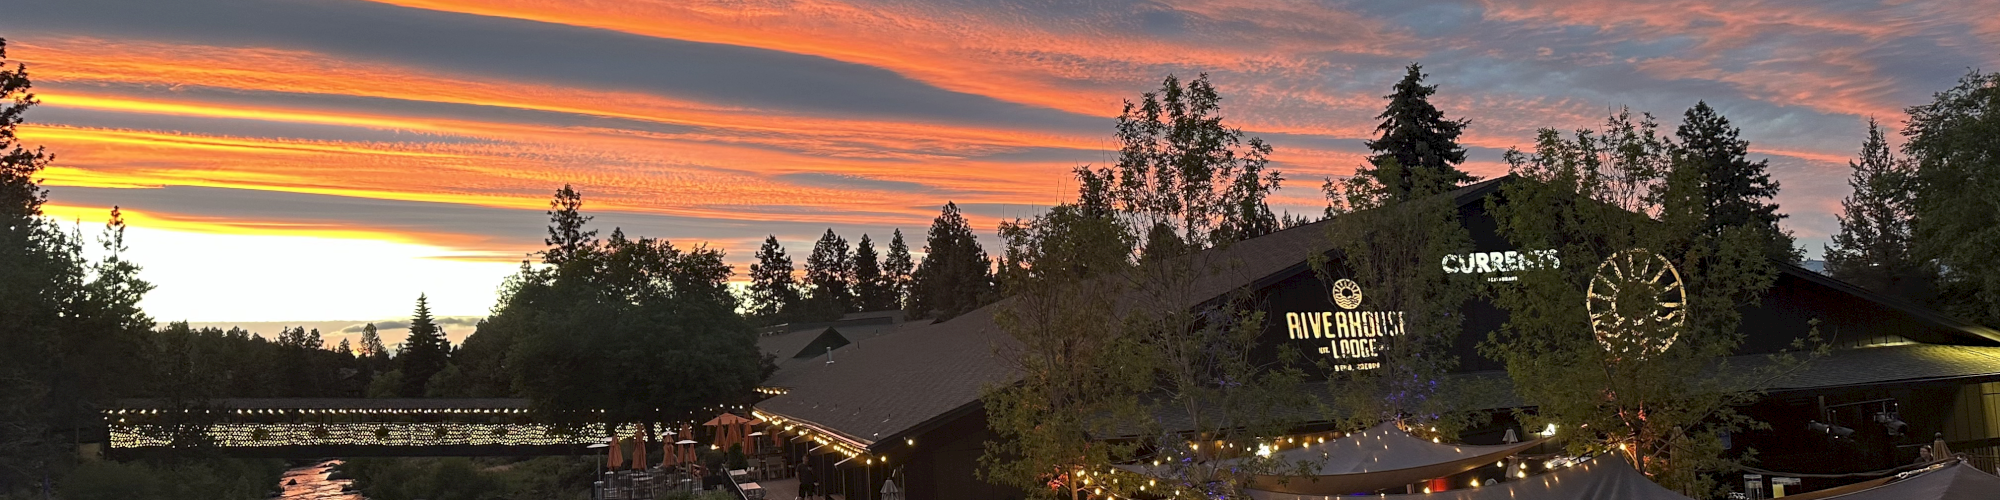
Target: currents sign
x=1351, y=339
x=1500, y=264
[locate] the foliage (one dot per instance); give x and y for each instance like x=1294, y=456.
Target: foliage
x=1872, y=249
x=873, y=289
x=1958, y=169
x=207, y=479
x=1382, y=249
x=1734, y=192
x=774, y=292
x=425, y=353
x=954, y=277
x=638, y=328
x=829, y=279
x=1180, y=167
x=1417, y=151
x=1082, y=376
x=1663, y=409
x=898, y=269
x=73, y=330
x=567, y=237
x=1120, y=342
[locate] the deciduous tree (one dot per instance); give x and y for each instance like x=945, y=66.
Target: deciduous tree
x=1180, y=167
x=1952, y=141
x=1615, y=341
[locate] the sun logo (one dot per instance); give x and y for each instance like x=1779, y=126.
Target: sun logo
x=1346, y=294
x=1637, y=303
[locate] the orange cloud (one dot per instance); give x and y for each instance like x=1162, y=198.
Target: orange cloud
x=1074, y=64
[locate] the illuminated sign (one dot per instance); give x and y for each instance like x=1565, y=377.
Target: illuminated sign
x=1501, y=263
x=1350, y=338
x=1637, y=303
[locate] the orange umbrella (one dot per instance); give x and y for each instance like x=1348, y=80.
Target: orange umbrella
x=617, y=458
x=638, y=451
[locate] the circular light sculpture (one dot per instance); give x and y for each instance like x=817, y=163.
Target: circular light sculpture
x=1637, y=303
x=1346, y=294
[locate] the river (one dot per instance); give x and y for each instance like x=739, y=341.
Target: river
x=311, y=483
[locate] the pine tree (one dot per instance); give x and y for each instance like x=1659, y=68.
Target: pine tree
x=873, y=290
x=567, y=238
x=1417, y=153
x=344, y=347
x=897, y=269
x=1735, y=191
x=955, y=275
x=774, y=292
x=425, y=353
x=829, y=271
x=1872, y=249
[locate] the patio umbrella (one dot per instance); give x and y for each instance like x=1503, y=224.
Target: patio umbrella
x=638, y=451
x=617, y=458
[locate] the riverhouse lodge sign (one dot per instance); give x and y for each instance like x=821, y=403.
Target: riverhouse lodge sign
x=1348, y=337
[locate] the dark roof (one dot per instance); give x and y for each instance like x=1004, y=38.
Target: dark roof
x=1886, y=364
x=1889, y=364
x=343, y=403
x=916, y=374
x=1920, y=312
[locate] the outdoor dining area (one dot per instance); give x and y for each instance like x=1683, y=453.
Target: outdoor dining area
x=734, y=456
x=1387, y=461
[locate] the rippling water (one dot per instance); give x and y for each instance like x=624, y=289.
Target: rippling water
x=311, y=483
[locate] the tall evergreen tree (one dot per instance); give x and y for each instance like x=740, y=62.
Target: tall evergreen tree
x=897, y=269
x=425, y=353
x=829, y=272
x=774, y=292
x=1734, y=191
x=1958, y=171
x=1417, y=152
x=873, y=290
x=1872, y=249
x=567, y=238
x=955, y=276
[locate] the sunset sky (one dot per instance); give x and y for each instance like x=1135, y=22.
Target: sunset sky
x=317, y=160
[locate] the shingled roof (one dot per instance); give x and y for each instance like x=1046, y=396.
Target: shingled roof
x=919, y=374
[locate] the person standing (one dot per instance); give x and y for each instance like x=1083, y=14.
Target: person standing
x=808, y=484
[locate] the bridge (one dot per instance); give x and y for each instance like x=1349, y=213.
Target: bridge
x=316, y=427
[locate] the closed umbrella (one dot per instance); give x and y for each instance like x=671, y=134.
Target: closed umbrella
x=617, y=459
x=638, y=451
x=1938, y=449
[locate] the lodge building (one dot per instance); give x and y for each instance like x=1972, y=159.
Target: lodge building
x=880, y=400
